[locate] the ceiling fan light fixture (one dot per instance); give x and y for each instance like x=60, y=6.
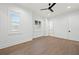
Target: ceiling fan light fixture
x=69, y=7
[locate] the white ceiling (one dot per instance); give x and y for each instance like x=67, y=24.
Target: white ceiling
x=59, y=8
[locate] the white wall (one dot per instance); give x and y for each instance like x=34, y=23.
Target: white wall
x=26, y=30
x=74, y=25
x=60, y=25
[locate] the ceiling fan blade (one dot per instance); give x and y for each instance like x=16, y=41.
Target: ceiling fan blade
x=51, y=10
x=52, y=5
x=44, y=9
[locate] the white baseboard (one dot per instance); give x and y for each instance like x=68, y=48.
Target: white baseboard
x=15, y=43
x=62, y=37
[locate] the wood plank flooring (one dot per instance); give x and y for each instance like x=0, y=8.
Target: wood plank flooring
x=45, y=45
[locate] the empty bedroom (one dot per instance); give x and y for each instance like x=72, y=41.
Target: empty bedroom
x=39, y=28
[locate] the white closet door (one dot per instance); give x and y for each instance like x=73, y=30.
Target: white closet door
x=61, y=27
x=74, y=26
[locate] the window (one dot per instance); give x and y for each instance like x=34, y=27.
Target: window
x=15, y=21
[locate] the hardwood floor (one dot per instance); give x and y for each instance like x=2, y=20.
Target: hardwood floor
x=45, y=45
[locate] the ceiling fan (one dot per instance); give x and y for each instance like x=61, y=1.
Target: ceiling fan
x=50, y=7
